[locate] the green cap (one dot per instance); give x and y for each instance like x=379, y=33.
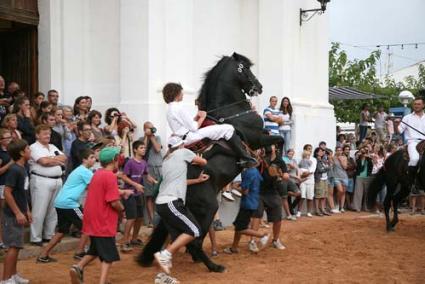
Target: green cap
x=108, y=154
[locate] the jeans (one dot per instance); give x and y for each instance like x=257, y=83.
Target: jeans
x=363, y=132
x=286, y=134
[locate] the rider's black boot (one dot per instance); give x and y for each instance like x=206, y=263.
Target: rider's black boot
x=246, y=161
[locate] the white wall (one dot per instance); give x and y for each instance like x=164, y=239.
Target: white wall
x=122, y=52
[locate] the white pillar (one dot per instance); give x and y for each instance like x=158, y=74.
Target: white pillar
x=293, y=62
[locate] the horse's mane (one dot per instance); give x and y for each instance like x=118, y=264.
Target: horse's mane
x=212, y=76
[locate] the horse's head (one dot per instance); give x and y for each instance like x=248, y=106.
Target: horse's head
x=247, y=81
x=227, y=82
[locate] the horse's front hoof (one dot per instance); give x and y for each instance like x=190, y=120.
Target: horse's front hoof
x=390, y=229
x=218, y=268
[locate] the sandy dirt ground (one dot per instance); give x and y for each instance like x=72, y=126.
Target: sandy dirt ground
x=345, y=248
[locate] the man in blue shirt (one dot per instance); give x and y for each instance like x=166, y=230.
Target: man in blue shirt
x=68, y=208
x=271, y=117
x=250, y=186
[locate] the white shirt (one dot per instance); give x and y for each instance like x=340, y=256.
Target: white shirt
x=39, y=151
x=380, y=119
x=179, y=119
x=415, y=121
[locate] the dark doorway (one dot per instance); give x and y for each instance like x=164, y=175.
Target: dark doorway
x=18, y=43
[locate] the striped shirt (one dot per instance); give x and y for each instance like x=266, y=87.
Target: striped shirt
x=272, y=126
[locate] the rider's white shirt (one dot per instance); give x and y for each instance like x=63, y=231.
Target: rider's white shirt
x=179, y=119
x=415, y=121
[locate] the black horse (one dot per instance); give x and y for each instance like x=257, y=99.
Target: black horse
x=223, y=97
x=394, y=174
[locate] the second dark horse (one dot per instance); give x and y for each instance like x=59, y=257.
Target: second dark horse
x=223, y=96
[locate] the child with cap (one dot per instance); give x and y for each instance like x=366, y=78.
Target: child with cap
x=170, y=202
x=101, y=212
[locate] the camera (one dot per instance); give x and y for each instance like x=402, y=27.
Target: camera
x=115, y=114
x=153, y=130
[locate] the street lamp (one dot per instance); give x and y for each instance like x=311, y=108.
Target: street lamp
x=405, y=97
x=304, y=13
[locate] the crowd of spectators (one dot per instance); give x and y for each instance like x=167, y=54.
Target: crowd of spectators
x=64, y=138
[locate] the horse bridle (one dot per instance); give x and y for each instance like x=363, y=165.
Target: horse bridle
x=251, y=78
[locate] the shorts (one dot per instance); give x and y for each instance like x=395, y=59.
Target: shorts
x=282, y=188
x=2, y=191
x=105, y=248
x=272, y=203
x=350, y=185
x=243, y=218
x=133, y=207
x=178, y=219
x=156, y=173
x=342, y=181
x=321, y=189
x=307, y=190
x=331, y=182
x=68, y=217
x=13, y=233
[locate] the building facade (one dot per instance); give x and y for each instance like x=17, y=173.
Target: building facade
x=121, y=53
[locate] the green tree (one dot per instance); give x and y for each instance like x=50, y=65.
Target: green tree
x=361, y=75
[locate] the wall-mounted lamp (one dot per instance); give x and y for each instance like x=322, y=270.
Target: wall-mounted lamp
x=304, y=14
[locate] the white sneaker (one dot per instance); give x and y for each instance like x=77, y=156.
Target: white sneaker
x=19, y=279
x=228, y=195
x=309, y=215
x=252, y=246
x=163, y=278
x=298, y=214
x=278, y=245
x=335, y=211
x=164, y=261
x=11, y=280
x=342, y=210
x=291, y=218
x=264, y=240
x=236, y=193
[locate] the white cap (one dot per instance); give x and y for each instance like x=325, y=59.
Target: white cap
x=174, y=142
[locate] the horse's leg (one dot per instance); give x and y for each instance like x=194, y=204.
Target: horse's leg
x=195, y=248
x=266, y=140
x=155, y=243
x=398, y=198
x=387, y=206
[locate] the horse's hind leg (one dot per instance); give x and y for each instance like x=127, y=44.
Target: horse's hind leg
x=195, y=249
x=155, y=243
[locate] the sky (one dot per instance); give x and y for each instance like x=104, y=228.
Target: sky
x=367, y=23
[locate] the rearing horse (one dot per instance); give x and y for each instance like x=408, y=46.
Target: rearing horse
x=223, y=97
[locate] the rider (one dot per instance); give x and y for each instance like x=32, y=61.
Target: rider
x=409, y=123
x=188, y=128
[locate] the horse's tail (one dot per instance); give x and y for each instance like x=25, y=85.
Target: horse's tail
x=157, y=239
x=375, y=187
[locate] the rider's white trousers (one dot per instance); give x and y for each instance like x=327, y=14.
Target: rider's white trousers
x=213, y=132
x=413, y=153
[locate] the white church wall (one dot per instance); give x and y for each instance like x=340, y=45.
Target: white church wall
x=122, y=52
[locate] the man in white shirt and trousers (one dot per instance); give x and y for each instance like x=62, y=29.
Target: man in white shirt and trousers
x=415, y=120
x=188, y=128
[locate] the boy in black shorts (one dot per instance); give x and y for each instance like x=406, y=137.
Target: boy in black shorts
x=16, y=212
x=68, y=208
x=100, y=220
x=251, y=180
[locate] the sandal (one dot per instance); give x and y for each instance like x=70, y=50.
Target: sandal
x=230, y=250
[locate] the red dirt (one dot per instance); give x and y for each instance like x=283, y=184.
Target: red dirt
x=350, y=247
